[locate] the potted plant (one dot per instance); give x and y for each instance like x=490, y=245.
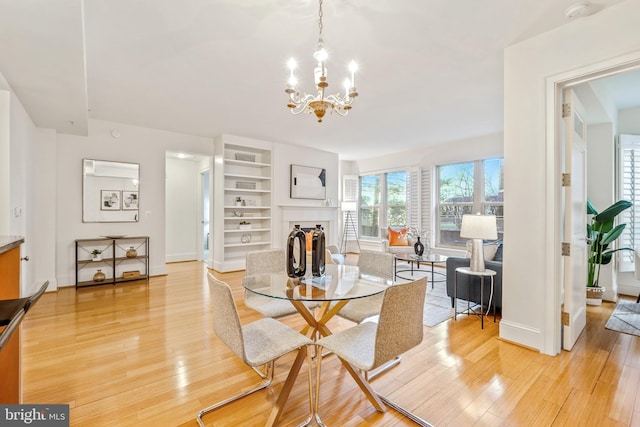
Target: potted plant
x=601, y=233
x=244, y=225
x=97, y=254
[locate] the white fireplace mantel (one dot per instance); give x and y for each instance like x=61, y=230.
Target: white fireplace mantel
x=309, y=216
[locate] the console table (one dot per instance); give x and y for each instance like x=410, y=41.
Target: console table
x=115, y=263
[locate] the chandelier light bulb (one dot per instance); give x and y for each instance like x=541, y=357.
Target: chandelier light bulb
x=319, y=103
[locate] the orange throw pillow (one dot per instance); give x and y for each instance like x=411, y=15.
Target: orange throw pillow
x=309, y=240
x=398, y=237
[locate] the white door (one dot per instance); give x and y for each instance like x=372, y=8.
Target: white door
x=575, y=225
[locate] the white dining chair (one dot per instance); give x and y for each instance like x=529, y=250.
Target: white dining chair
x=257, y=344
x=266, y=261
x=370, y=345
x=378, y=264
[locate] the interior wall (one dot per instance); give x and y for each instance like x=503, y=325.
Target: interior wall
x=137, y=145
x=182, y=196
x=284, y=155
x=530, y=314
x=5, y=163
x=628, y=123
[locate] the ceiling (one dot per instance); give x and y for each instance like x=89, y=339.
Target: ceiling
x=430, y=71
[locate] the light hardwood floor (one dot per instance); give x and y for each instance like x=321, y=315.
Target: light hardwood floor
x=145, y=355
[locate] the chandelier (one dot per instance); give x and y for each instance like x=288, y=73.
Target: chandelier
x=319, y=103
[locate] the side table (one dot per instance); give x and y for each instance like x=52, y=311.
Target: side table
x=482, y=274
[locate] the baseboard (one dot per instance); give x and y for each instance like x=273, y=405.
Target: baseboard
x=191, y=256
x=521, y=334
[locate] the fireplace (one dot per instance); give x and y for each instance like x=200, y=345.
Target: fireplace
x=309, y=217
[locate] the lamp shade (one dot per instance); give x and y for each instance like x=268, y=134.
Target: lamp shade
x=479, y=227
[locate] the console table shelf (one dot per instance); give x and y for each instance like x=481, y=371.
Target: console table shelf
x=115, y=264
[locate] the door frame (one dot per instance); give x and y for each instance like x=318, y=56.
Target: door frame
x=554, y=85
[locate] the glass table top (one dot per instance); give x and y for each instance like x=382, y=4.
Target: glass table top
x=340, y=282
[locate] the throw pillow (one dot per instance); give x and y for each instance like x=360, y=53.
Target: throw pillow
x=489, y=250
x=309, y=237
x=498, y=255
x=398, y=237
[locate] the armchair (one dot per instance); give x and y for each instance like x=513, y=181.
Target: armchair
x=399, y=242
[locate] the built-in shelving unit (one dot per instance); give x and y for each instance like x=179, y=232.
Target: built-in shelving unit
x=117, y=262
x=243, y=176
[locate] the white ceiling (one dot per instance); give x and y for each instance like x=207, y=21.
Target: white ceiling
x=431, y=71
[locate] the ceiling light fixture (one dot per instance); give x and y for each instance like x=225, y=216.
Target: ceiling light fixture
x=319, y=103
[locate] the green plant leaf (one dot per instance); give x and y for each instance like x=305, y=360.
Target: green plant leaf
x=590, y=209
x=612, y=211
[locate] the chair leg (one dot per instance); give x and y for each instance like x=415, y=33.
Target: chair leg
x=266, y=383
x=413, y=417
x=382, y=368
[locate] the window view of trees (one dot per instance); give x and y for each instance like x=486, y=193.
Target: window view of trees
x=382, y=195
x=465, y=188
x=396, y=199
x=369, y=205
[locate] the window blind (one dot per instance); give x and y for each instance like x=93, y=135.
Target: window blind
x=628, y=183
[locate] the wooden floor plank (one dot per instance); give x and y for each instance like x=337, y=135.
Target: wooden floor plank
x=144, y=354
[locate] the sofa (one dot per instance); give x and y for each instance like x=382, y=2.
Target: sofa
x=469, y=286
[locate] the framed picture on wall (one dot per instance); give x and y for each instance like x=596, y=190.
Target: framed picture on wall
x=110, y=200
x=129, y=200
x=308, y=182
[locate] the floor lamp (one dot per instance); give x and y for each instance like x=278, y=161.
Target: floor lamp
x=478, y=227
x=349, y=227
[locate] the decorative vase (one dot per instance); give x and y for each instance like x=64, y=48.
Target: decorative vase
x=317, y=252
x=131, y=252
x=97, y=257
x=418, y=247
x=296, y=267
x=99, y=276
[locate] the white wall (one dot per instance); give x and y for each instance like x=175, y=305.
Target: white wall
x=628, y=123
x=182, y=195
x=137, y=145
x=531, y=274
x=5, y=163
x=284, y=155
x=601, y=186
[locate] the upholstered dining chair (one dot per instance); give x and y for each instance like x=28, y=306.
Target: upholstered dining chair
x=258, y=344
x=377, y=264
x=266, y=261
x=369, y=345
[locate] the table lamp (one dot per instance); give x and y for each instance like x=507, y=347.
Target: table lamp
x=478, y=227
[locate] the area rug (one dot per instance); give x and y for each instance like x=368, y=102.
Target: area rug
x=625, y=318
x=437, y=305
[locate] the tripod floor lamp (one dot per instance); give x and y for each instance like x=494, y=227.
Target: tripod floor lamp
x=349, y=230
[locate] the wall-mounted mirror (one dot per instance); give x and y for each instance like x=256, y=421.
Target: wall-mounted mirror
x=110, y=191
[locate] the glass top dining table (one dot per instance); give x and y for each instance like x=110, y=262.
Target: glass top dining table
x=331, y=292
x=340, y=283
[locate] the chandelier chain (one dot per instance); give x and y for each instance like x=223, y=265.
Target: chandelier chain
x=320, y=18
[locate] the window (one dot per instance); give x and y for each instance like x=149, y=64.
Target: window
x=383, y=202
x=465, y=188
x=628, y=180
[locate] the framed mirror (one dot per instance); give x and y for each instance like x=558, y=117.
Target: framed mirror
x=110, y=191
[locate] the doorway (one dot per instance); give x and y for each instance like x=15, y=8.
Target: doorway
x=205, y=209
x=603, y=94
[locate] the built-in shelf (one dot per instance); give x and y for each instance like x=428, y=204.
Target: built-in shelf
x=245, y=164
